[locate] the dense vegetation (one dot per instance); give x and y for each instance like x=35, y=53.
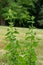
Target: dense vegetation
x=21, y=13
x=24, y=11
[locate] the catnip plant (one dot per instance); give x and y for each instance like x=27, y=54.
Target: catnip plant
x=12, y=45
x=31, y=42
x=12, y=42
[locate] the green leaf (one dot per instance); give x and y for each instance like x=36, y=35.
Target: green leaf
x=7, y=33
x=35, y=44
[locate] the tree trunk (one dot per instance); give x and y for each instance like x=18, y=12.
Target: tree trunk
x=2, y=22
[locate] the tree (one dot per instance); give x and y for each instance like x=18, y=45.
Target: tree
x=21, y=13
x=37, y=11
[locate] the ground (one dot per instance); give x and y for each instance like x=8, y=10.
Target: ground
x=21, y=36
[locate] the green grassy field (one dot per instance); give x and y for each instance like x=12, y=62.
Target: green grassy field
x=21, y=36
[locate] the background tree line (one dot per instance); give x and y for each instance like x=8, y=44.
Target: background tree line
x=24, y=11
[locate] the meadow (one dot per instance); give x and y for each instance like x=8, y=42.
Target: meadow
x=21, y=37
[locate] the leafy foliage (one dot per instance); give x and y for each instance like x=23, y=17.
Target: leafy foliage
x=36, y=10
x=11, y=45
x=28, y=56
x=23, y=11
x=32, y=42
x=19, y=12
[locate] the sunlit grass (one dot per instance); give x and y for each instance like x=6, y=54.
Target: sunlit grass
x=21, y=36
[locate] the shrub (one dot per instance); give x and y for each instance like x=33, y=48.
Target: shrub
x=31, y=43
x=12, y=46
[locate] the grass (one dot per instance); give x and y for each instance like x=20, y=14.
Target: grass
x=21, y=36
